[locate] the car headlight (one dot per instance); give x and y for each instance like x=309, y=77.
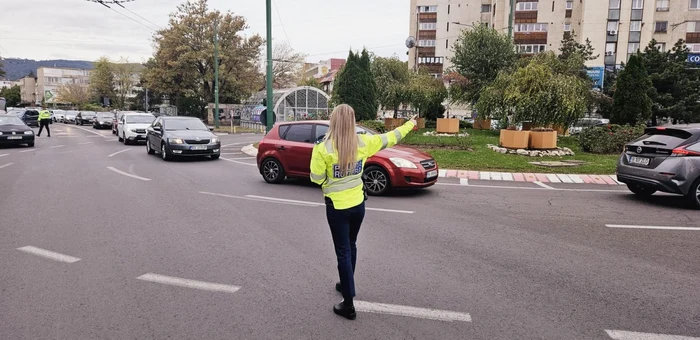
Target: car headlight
x=403, y=163
x=176, y=141
x=30, y=132
x=0, y=133
x=214, y=140
x=134, y=130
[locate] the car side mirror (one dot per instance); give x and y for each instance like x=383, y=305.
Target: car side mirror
x=211, y=129
x=319, y=139
x=157, y=128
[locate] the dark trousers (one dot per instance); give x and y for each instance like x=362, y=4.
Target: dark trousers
x=44, y=123
x=345, y=225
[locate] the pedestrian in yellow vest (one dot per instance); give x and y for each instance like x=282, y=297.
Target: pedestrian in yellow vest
x=44, y=121
x=337, y=164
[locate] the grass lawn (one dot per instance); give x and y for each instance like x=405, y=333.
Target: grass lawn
x=481, y=158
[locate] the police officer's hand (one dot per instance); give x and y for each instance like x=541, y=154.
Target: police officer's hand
x=413, y=120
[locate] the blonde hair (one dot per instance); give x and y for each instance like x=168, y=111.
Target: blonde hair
x=342, y=134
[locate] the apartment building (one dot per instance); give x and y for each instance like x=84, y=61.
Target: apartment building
x=50, y=79
x=616, y=28
x=27, y=89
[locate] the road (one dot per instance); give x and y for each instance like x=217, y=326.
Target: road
x=101, y=241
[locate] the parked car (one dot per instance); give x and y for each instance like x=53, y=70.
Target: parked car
x=585, y=123
x=177, y=136
x=28, y=116
x=117, y=119
x=132, y=127
x=13, y=131
x=103, y=120
x=665, y=159
x=286, y=152
x=85, y=117
x=58, y=116
x=69, y=117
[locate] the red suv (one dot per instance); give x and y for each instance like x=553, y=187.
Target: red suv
x=286, y=152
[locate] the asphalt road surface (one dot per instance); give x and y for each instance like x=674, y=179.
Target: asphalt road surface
x=101, y=241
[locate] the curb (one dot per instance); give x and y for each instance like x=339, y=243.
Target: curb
x=530, y=177
x=250, y=150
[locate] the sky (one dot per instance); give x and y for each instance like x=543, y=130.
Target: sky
x=84, y=30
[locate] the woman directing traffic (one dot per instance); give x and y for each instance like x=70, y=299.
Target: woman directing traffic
x=337, y=164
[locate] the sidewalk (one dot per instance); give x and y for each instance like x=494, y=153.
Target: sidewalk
x=507, y=176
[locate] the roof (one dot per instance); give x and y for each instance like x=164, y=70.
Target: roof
x=304, y=122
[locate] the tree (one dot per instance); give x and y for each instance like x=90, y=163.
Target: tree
x=355, y=86
x=392, y=78
x=426, y=94
x=125, y=77
x=286, y=66
x=101, y=80
x=310, y=81
x=569, y=47
x=183, y=65
x=479, y=55
x=631, y=102
x=12, y=95
x=73, y=94
x=2, y=70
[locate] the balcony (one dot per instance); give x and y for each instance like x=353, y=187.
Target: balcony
x=662, y=9
x=528, y=17
x=610, y=59
x=692, y=37
x=568, y=13
x=530, y=38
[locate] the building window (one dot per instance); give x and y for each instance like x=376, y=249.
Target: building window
x=531, y=27
x=527, y=6
x=661, y=47
x=660, y=26
x=637, y=4
x=614, y=4
x=635, y=26
x=567, y=27
x=694, y=4
x=693, y=26
x=632, y=47
x=428, y=26
x=610, y=48
x=485, y=8
x=430, y=60
x=530, y=48
x=662, y=5
x=427, y=9
x=569, y=5
x=693, y=47
x=612, y=26
x=426, y=43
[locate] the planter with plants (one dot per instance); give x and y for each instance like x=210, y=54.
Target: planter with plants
x=393, y=123
x=543, y=139
x=511, y=138
x=447, y=125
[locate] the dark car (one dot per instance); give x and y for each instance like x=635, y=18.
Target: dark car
x=181, y=136
x=103, y=120
x=665, y=159
x=286, y=152
x=13, y=131
x=28, y=116
x=85, y=117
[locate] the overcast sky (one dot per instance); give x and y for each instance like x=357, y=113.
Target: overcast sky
x=83, y=30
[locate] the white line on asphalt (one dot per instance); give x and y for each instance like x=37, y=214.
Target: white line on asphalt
x=56, y=146
x=415, y=312
x=23, y=151
x=231, y=153
x=241, y=158
x=233, y=144
x=187, y=283
x=85, y=143
x=463, y=181
x=237, y=162
x=6, y=165
x=544, y=185
x=118, y=152
x=90, y=131
x=626, y=335
x=323, y=204
x=128, y=174
x=49, y=254
x=260, y=200
x=5, y=154
x=622, y=226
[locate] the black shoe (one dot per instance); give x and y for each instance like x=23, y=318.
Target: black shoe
x=338, y=288
x=345, y=311
x=49, y=136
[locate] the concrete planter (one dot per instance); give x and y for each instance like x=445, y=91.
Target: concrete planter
x=447, y=125
x=482, y=124
x=543, y=140
x=421, y=123
x=393, y=123
x=514, y=139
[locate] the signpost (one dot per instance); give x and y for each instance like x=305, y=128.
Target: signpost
x=597, y=74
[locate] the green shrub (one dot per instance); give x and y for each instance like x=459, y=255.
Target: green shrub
x=465, y=125
x=374, y=125
x=609, y=138
x=430, y=124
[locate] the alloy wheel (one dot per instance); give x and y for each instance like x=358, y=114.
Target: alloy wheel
x=697, y=194
x=162, y=152
x=376, y=181
x=271, y=170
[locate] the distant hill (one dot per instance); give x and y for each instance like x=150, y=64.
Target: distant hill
x=16, y=69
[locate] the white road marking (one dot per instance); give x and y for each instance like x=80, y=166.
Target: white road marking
x=56, y=146
x=48, y=254
x=463, y=181
x=5, y=154
x=118, y=152
x=565, y=178
x=323, y=204
x=6, y=165
x=414, y=312
x=259, y=200
x=626, y=335
x=85, y=143
x=576, y=179
x=187, y=283
x=543, y=185
x=237, y=162
x=128, y=174
x=231, y=153
x=241, y=158
x=90, y=131
x=30, y=150
x=622, y=226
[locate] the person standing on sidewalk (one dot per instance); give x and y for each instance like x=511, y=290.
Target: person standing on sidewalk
x=337, y=164
x=44, y=121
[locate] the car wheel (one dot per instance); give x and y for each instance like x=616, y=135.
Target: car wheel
x=148, y=148
x=640, y=190
x=694, y=194
x=215, y=157
x=272, y=171
x=126, y=141
x=164, y=153
x=119, y=138
x=376, y=181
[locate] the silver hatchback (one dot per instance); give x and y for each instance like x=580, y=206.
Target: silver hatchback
x=665, y=159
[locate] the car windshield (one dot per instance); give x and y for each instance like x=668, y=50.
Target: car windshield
x=105, y=115
x=184, y=124
x=140, y=119
x=10, y=120
x=89, y=114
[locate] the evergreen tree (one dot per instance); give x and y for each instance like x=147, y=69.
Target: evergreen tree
x=631, y=102
x=355, y=86
x=569, y=47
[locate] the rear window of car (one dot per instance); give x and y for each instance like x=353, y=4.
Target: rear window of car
x=299, y=133
x=670, y=138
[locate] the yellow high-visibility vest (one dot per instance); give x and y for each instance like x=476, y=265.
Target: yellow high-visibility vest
x=44, y=114
x=345, y=190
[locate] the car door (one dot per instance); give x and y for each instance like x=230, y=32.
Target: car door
x=154, y=137
x=31, y=117
x=296, y=148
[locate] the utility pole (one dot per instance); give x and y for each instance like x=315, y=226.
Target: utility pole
x=510, y=19
x=216, y=73
x=268, y=83
x=145, y=104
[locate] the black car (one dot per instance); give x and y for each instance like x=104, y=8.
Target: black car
x=28, y=116
x=13, y=131
x=103, y=120
x=181, y=136
x=85, y=117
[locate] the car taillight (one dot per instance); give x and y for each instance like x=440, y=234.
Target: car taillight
x=682, y=151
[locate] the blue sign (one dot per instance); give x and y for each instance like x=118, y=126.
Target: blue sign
x=694, y=58
x=597, y=74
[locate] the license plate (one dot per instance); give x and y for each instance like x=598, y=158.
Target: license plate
x=14, y=137
x=432, y=173
x=639, y=160
x=198, y=147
